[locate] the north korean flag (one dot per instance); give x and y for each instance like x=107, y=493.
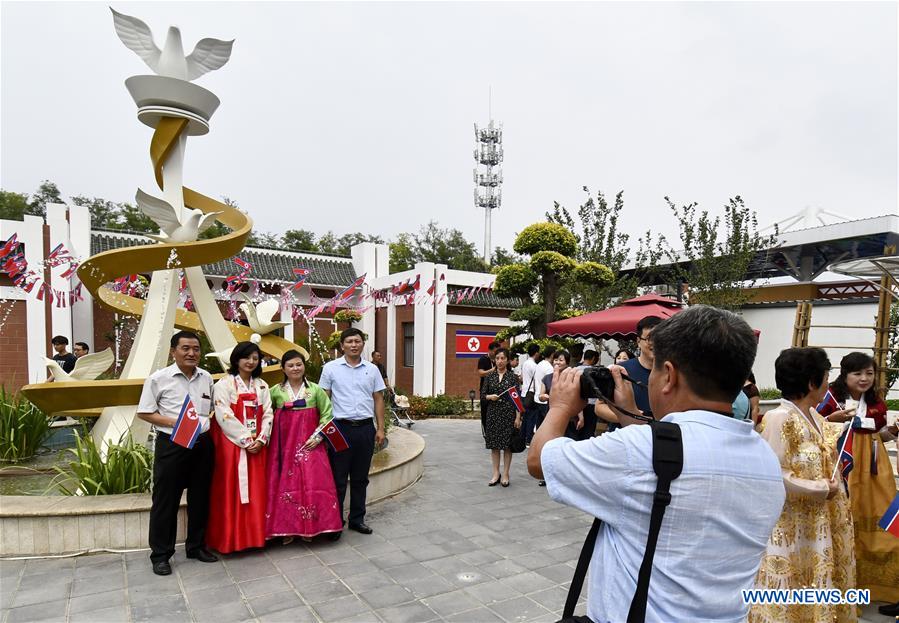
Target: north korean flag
x=516, y=398
x=335, y=437
x=187, y=427
x=471, y=344
x=890, y=519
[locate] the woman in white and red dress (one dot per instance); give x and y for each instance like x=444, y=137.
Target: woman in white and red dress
x=240, y=432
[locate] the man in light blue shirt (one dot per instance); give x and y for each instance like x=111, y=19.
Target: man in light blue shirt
x=355, y=387
x=724, y=504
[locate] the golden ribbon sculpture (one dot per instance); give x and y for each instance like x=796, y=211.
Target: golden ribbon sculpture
x=87, y=397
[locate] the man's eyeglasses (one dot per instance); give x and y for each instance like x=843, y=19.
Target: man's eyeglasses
x=647, y=339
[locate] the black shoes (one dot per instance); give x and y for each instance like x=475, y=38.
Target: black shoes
x=361, y=528
x=162, y=568
x=542, y=483
x=334, y=536
x=890, y=610
x=203, y=555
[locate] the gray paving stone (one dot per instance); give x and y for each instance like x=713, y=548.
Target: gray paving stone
x=98, y=584
x=558, y=573
x=44, y=611
x=50, y=591
x=478, y=615
x=408, y=572
x=356, y=567
x=368, y=581
x=97, y=601
x=428, y=585
x=301, y=614
x=519, y=609
x=113, y=614
x=264, y=586
x=209, y=598
x=341, y=555
x=385, y=596
x=275, y=602
x=392, y=559
x=312, y=575
x=492, y=592
x=414, y=612
x=307, y=561
x=44, y=565
x=217, y=576
x=551, y=598
x=168, y=608
x=529, y=582
x=502, y=568
x=324, y=591
x=341, y=608
x=451, y=603
x=245, y=568
x=229, y=613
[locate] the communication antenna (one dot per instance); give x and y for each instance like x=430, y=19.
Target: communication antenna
x=488, y=175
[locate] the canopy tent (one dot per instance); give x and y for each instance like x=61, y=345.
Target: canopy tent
x=616, y=322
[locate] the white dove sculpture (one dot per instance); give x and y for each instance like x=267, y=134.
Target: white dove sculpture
x=87, y=368
x=208, y=55
x=260, y=316
x=223, y=356
x=163, y=214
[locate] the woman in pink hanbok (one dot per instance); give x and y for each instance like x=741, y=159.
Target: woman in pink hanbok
x=302, y=499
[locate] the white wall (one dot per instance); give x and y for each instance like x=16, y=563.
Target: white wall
x=776, y=325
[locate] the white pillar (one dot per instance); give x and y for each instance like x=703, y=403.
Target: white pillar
x=82, y=311
x=439, y=308
x=31, y=233
x=392, y=354
x=286, y=308
x=423, y=363
x=372, y=260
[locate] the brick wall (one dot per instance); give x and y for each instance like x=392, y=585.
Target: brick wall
x=14, y=342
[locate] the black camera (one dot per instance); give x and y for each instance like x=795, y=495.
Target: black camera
x=597, y=382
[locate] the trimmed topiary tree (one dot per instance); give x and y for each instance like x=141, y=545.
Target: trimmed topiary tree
x=552, y=249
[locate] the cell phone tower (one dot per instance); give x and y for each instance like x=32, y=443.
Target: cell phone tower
x=488, y=176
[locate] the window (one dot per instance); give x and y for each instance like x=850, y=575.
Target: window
x=408, y=344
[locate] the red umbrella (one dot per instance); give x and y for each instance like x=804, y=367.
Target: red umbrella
x=616, y=322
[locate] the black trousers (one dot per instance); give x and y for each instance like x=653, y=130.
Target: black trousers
x=353, y=463
x=175, y=468
x=484, y=417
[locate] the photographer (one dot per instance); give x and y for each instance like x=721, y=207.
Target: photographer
x=723, y=505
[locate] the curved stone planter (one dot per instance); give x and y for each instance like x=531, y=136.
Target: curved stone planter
x=37, y=525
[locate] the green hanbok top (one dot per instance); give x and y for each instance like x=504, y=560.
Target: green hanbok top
x=315, y=396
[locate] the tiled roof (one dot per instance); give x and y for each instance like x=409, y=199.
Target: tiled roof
x=268, y=264
x=488, y=299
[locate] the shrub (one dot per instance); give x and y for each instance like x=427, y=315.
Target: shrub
x=552, y=262
x=594, y=273
x=893, y=405
x=769, y=393
x=23, y=427
x=442, y=404
x=127, y=468
x=347, y=315
x=514, y=280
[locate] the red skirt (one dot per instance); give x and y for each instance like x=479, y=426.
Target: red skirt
x=234, y=526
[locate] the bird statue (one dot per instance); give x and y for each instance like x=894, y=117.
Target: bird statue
x=223, y=356
x=87, y=367
x=163, y=214
x=208, y=55
x=259, y=317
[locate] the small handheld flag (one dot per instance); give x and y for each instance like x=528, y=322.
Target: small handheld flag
x=828, y=401
x=187, y=428
x=845, y=458
x=890, y=519
x=330, y=432
x=516, y=398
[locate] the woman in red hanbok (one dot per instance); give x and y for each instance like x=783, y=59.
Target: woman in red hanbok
x=240, y=431
x=302, y=499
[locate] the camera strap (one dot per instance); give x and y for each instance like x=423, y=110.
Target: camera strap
x=667, y=463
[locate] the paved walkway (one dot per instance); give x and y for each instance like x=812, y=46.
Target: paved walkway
x=447, y=549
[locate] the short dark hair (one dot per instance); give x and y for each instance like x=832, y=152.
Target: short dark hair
x=504, y=351
x=83, y=345
x=187, y=335
x=563, y=353
x=853, y=362
x=493, y=345
x=590, y=355
x=242, y=351
x=292, y=354
x=647, y=322
x=629, y=354
x=348, y=333
x=60, y=339
x=797, y=368
x=549, y=351
x=533, y=349
x=714, y=349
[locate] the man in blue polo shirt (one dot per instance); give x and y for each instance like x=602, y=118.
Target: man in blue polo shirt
x=355, y=387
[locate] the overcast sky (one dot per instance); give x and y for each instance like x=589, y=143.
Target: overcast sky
x=358, y=117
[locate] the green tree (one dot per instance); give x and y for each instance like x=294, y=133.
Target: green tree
x=402, y=253
x=264, y=239
x=328, y=243
x=14, y=206
x=715, y=258
x=552, y=266
x=602, y=242
x=105, y=214
x=133, y=219
x=299, y=240
x=446, y=246
x=346, y=242
x=504, y=257
x=46, y=193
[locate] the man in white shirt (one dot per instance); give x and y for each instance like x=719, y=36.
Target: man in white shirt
x=528, y=385
x=176, y=468
x=724, y=504
x=544, y=367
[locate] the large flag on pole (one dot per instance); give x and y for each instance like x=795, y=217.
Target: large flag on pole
x=187, y=427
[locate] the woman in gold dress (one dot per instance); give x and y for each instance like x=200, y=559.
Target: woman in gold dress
x=812, y=544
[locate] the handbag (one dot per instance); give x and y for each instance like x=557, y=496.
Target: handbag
x=517, y=443
x=667, y=462
x=528, y=399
